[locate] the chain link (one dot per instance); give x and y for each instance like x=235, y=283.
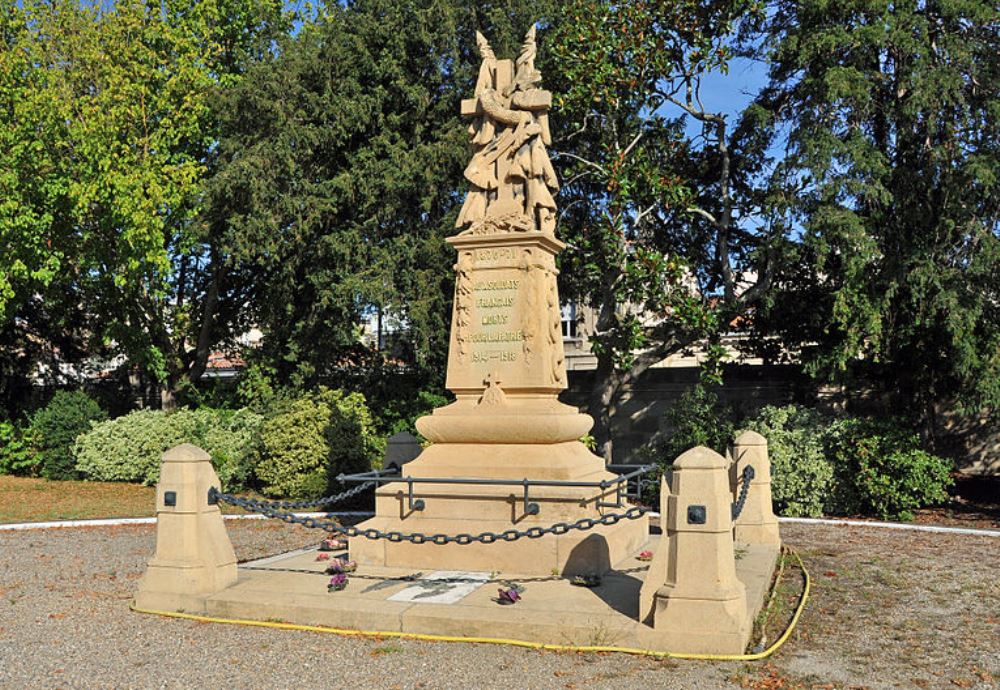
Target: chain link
x=275, y=509
x=256, y=506
x=748, y=475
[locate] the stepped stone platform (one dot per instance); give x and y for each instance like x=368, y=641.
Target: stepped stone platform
x=292, y=588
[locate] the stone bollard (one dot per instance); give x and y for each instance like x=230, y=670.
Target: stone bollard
x=194, y=557
x=757, y=523
x=657, y=573
x=701, y=606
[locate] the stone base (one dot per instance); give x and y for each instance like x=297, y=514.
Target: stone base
x=552, y=610
x=575, y=553
x=475, y=508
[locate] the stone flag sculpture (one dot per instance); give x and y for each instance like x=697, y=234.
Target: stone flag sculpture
x=510, y=172
x=506, y=366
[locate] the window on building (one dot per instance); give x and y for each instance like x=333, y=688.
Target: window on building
x=568, y=315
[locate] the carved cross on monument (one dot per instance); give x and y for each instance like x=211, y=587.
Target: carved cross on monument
x=493, y=395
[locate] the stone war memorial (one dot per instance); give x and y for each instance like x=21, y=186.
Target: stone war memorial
x=505, y=505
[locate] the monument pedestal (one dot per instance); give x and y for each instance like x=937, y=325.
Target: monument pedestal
x=506, y=367
x=476, y=508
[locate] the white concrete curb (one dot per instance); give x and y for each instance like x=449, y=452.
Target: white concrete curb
x=883, y=525
x=894, y=525
x=115, y=522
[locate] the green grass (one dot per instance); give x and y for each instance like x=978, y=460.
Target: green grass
x=23, y=499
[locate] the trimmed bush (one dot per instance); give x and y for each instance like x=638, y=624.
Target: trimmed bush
x=822, y=464
x=55, y=427
x=882, y=471
x=17, y=453
x=306, y=442
x=802, y=477
x=128, y=448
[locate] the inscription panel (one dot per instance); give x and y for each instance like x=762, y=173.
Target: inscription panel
x=504, y=302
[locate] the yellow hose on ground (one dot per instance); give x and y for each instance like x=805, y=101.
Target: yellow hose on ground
x=349, y=632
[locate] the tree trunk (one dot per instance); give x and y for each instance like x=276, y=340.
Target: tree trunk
x=600, y=408
x=168, y=399
x=209, y=310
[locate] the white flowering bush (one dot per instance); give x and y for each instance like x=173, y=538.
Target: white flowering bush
x=128, y=448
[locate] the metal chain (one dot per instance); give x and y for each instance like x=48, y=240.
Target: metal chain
x=748, y=475
x=290, y=505
x=535, y=532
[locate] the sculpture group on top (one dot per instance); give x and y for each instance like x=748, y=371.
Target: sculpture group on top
x=511, y=175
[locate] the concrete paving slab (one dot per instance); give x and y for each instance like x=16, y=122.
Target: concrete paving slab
x=552, y=610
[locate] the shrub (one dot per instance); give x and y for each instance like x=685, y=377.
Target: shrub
x=843, y=466
x=882, y=471
x=17, y=452
x=802, y=477
x=308, y=441
x=697, y=418
x=129, y=448
x=55, y=427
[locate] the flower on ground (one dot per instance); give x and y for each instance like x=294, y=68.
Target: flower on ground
x=508, y=596
x=337, y=582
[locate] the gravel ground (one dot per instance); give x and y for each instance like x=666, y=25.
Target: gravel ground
x=889, y=610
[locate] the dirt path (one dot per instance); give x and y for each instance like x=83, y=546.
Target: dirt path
x=889, y=609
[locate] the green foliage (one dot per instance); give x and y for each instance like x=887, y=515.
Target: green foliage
x=847, y=466
x=697, y=418
x=107, y=136
x=881, y=470
x=128, y=448
x=802, y=475
x=306, y=442
x=55, y=427
x=657, y=220
x=403, y=413
x=17, y=453
x=892, y=118
x=338, y=177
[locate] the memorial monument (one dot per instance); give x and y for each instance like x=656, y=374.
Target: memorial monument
x=505, y=489
x=505, y=366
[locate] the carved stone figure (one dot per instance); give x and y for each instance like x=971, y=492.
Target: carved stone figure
x=511, y=175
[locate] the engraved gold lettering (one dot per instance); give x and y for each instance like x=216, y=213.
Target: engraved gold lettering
x=494, y=302
x=495, y=319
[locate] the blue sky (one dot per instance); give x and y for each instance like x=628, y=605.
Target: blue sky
x=731, y=93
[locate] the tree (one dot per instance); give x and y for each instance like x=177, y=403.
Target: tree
x=109, y=135
x=892, y=114
x=340, y=174
x=669, y=235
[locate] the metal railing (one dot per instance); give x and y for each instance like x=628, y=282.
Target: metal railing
x=620, y=483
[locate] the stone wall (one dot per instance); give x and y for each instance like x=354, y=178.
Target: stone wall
x=973, y=442
x=641, y=413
